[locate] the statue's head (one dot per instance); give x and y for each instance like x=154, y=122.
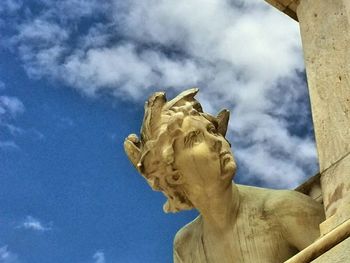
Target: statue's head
x=181, y=148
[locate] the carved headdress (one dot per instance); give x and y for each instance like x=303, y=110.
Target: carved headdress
x=153, y=153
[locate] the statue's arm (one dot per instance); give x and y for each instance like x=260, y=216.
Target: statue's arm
x=184, y=243
x=179, y=244
x=177, y=257
x=299, y=217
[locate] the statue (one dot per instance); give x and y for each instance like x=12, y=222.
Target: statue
x=183, y=153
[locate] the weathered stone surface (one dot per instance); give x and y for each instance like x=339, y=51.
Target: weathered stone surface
x=336, y=193
x=312, y=188
x=325, y=30
x=338, y=254
x=288, y=7
x=322, y=244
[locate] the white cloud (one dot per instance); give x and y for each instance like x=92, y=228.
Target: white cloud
x=98, y=36
x=42, y=31
x=68, y=10
x=99, y=257
x=32, y=223
x=8, y=145
x=7, y=256
x=244, y=55
x=123, y=67
x=10, y=6
x=10, y=106
x=13, y=130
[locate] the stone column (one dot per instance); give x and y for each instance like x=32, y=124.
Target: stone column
x=325, y=32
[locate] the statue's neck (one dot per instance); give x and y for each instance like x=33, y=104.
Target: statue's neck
x=220, y=210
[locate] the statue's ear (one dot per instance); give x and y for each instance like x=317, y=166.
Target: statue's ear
x=176, y=204
x=175, y=178
x=131, y=147
x=223, y=118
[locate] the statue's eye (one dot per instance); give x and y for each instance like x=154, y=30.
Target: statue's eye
x=193, y=138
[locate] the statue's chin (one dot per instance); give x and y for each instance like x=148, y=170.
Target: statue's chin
x=228, y=170
x=228, y=166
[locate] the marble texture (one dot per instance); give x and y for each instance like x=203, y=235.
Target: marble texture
x=338, y=254
x=325, y=32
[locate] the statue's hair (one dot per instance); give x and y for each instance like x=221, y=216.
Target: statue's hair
x=153, y=154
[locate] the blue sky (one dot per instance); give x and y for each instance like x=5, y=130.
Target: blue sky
x=74, y=75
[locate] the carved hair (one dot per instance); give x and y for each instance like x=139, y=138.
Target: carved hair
x=153, y=154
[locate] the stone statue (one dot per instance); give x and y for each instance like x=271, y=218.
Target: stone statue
x=183, y=153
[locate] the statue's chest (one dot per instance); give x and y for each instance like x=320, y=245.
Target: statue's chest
x=251, y=240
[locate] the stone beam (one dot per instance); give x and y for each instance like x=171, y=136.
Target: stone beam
x=289, y=7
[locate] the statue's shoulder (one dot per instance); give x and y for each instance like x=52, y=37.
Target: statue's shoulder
x=290, y=200
x=188, y=235
x=297, y=214
x=280, y=201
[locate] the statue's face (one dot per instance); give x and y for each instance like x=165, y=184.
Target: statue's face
x=203, y=156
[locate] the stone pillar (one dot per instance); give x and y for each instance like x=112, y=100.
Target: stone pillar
x=325, y=32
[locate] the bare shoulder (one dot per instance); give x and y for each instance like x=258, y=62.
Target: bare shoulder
x=280, y=201
x=283, y=202
x=186, y=234
x=298, y=215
